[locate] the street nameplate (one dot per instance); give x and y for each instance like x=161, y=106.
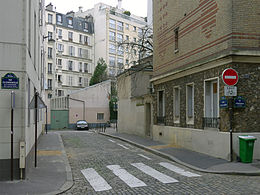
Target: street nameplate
x=10, y=81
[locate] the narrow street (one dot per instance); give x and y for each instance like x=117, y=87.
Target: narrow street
x=103, y=165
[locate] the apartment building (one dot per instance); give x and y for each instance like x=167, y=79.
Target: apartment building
x=70, y=53
x=21, y=71
x=194, y=42
x=112, y=26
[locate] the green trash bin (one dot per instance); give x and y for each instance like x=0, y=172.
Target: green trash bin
x=246, y=148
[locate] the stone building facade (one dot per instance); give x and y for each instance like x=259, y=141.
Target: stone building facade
x=22, y=56
x=194, y=42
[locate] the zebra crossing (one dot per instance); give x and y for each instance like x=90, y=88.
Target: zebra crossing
x=98, y=183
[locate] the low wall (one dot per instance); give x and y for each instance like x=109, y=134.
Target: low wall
x=211, y=142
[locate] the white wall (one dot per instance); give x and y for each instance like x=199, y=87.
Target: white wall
x=209, y=142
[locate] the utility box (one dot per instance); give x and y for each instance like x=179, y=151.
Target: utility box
x=22, y=154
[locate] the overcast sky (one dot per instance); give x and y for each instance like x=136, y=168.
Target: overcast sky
x=136, y=7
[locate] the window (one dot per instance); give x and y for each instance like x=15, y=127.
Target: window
x=100, y=116
x=127, y=37
x=70, y=81
x=70, y=65
x=70, y=36
x=127, y=26
x=189, y=103
x=71, y=51
x=60, y=33
x=59, y=78
x=134, y=51
x=49, y=52
x=80, y=81
x=119, y=37
x=112, y=48
x=60, y=93
x=86, y=40
x=127, y=61
x=120, y=63
x=50, y=18
x=176, y=38
x=70, y=22
x=49, y=95
x=120, y=26
x=60, y=47
x=211, y=111
x=80, y=38
x=161, y=108
x=80, y=66
x=134, y=28
x=80, y=52
x=49, y=35
x=120, y=50
x=60, y=62
x=49, y=68
x=85, y=67
x=112, y=23
x=50, y=84
x=112, y=36
x=85, y=26
x=112, y=72
x=176, y=104
x=134, y=39
x=112, y=61
x=59, y=19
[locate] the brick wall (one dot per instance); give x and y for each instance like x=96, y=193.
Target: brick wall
x=206, y=28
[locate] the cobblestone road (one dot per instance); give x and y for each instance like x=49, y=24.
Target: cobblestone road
x=94, y=153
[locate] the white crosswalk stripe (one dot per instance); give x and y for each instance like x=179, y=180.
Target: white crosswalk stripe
x=178, y=170
x=129, y=179
x=112, y=141
x=99, y=183
x=123, y=146
x=95, y=180
x=154, y=173
x=144, y=156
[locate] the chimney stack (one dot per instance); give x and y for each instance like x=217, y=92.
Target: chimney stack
x=119, y=5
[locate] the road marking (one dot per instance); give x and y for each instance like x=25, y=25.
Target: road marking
x=178, y=170
x=144, y=156
x=123, y=146
x=95, y=180
x=129, y=179
x=112, y=140
x=154, y=173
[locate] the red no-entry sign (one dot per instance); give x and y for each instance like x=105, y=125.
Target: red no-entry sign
x=230, y=76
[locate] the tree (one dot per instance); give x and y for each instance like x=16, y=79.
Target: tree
x=141, y=48
x=128, y=13
x=99, y=73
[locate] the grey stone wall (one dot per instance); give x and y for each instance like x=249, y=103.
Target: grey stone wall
x=245, y=119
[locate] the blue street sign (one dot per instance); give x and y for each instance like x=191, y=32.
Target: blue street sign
x=240, y=102
x=223, y=103
x=10, y=81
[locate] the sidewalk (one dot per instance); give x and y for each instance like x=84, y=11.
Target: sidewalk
x=191, y=159
x=52, y=174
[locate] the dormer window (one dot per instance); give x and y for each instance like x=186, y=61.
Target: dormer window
x=85, y=26
x=70, y=22
x=59, y=19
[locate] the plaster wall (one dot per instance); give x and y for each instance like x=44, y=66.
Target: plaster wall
x=209, y=142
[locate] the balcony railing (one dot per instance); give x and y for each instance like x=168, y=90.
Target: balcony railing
x=211, y=122
x=161, y=120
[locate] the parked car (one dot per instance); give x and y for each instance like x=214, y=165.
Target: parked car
x=82, y=124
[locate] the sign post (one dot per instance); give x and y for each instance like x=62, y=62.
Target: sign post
x=230, y=78
x=12, y=134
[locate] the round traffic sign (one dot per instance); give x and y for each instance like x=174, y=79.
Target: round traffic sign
x=230, y=76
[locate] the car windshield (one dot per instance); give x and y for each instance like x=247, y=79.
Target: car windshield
x=81, y=122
